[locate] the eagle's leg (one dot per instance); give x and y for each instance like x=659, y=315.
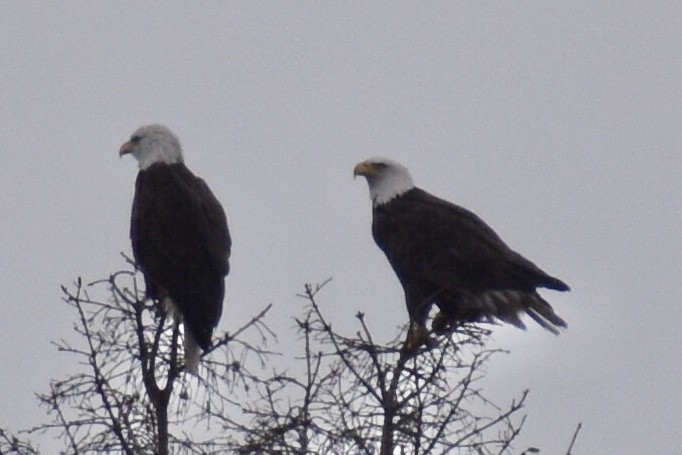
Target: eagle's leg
x=417, y=336
x=170, y=308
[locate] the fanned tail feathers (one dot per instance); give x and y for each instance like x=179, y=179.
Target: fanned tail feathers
x=506, y=305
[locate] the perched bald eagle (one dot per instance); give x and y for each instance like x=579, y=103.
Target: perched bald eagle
x=444, y=254
x=179, y=236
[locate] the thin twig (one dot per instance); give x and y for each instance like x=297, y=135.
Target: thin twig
x=575, y=437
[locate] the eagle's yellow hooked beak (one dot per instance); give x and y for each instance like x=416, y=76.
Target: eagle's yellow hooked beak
x=126, y=148
x=364, y=168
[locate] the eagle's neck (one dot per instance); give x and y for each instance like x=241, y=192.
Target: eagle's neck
x=389, y=187
x=159, y=155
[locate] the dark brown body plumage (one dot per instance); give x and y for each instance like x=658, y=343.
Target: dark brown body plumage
x=444, y=254
x=182, y=244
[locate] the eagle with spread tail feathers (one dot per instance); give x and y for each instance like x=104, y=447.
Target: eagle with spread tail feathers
x=179, y=236
x=446, y=255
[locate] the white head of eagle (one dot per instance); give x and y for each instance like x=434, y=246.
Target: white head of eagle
x=445, y=255
x=179, y=236
x=151, y=144
x=386, y=179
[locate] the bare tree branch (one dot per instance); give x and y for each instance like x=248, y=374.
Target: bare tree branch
x=380, y=398
x=129, y=393
x=575, y=437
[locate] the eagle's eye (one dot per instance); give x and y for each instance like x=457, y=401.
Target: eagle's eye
x=135, y=139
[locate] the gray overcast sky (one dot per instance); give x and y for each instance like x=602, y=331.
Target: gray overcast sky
x=558, y=122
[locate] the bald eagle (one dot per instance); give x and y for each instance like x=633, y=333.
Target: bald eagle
x=179, y=236
x=445, y=255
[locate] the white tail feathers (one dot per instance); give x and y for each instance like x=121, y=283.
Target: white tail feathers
x=543, y=314
x=192, y=349
x=192, y=352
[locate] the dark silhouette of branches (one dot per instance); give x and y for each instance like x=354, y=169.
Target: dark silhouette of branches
x=11, y=444
x=132, y=390
x=357, y=396
x=338, y=394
